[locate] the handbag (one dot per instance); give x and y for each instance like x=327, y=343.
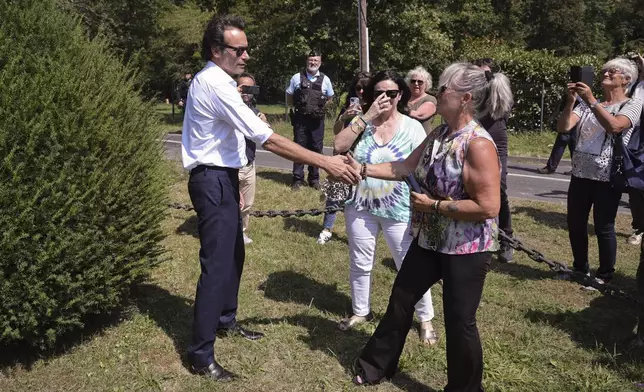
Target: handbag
x=627, y=167
x=336, y=190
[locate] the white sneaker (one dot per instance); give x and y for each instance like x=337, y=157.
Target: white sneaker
x=635, y=238
x=324, y=237
x=247, y=239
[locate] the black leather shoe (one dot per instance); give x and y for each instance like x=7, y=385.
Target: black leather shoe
x=243, y=332
x=315, y=185
x=215, y=372
x=297, y=185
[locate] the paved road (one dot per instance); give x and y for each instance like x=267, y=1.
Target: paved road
x=523, y=180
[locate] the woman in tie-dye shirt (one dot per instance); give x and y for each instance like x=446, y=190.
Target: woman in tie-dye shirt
x=378, y=205
x=458, y=170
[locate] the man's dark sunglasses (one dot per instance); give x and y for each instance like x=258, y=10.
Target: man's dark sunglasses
x=417, y=81
x=239, y=50
x=390, y=93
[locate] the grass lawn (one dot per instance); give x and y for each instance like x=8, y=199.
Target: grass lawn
x=538, y=334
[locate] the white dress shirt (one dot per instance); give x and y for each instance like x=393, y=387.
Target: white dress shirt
x=216, y=121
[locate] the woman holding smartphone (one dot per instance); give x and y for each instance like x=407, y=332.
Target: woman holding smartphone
x=383, y=134
x=336, y=192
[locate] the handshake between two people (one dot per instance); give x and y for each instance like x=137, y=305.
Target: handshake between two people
x=344, y=168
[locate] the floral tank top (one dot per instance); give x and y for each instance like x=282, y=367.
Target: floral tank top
x=440, y=173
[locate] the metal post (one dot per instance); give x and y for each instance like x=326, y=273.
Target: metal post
x=543, y=93
x=364, y=43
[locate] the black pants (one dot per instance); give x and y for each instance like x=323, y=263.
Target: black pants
x=636, y=202
x=463, y=277
x=309, y=133
x=558, y=149
x=582, y=195
x=505, y=217
x=214, y=193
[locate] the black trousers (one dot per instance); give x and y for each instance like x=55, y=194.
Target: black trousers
x=463, y=278
x=309, y=133
x=640, y=295
x=214, y=193
x=505, y=217
x=636, y=202
x=563, y=139
x=582, y=195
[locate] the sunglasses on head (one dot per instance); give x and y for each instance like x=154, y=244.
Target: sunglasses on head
x=417, y=81
x=239, y=50
x=390, y=93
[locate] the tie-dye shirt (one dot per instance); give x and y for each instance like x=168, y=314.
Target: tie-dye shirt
x=440, y=173
x=386, y=199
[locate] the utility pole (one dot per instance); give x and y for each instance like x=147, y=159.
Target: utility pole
x=363, y=32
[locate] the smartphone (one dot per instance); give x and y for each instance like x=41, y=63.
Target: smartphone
x=354, y=101
x=250, y=90
x=584, y=74
x=413, y=184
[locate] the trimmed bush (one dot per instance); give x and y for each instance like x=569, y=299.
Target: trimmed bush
x=530, y=71
x=82, y=195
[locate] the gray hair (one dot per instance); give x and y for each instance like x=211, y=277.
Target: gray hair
x=423, y=74
x=491, y=93
x=626, y=67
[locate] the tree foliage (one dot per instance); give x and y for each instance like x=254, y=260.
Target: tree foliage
x=82, y=196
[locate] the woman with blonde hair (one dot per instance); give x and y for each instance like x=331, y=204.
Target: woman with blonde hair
x=421, y=106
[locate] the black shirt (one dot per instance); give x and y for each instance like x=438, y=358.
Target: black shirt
x=498, y=130
x=251, y=147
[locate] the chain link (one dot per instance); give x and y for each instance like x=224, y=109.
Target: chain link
x=560, y=268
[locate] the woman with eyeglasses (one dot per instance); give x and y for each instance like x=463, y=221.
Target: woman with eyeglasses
x=598, y=123
x=458, y=170
x=337, y=192
x=421, y=106
x=384, y=133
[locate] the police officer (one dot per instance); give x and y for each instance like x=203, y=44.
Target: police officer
x=308, y=93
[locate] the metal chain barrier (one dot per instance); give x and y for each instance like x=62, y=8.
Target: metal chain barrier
x=560, y=268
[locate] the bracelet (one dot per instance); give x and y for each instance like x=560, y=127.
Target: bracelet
x=438, y=206
x=363, y=171
x=435, y=205
x=595, y=104
x=363, y=121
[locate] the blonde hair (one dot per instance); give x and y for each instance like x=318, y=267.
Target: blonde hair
x=423, y=74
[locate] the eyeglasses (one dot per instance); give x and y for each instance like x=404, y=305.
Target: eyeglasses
x=239, y=50
x=359, y=88
x=611, y=71
x=416, y=81
x=390, y=93
x=442, y=89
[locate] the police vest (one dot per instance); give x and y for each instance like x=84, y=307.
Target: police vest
x=309, y=100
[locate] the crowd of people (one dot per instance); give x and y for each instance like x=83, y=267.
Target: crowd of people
x=437, y=190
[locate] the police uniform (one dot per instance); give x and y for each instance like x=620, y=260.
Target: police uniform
x=308, y=129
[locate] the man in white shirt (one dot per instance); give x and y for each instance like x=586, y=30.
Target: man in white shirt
x=309, y=91
x=213, y=149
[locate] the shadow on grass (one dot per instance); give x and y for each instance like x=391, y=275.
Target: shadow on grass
x=170, y=312
x=521, y=271
x=276, y=176
x=390, y=263
x=310, y=228
x=189, y=227
x=25, y=355
x=605, y=327
x=323, y=335
x=290, y=286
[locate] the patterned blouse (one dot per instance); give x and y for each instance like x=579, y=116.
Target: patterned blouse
x=440, y=173
x=386, y=199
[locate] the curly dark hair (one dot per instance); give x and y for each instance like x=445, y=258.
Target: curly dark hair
x=394, y=76
x=213, y=37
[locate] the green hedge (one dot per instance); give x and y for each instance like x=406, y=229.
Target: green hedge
x=529, y=71
x=82, y=194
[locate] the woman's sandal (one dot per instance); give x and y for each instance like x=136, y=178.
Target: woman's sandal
x=348, y=323
x=427, y=334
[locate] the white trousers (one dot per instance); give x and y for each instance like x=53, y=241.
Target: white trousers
x=362, y=231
